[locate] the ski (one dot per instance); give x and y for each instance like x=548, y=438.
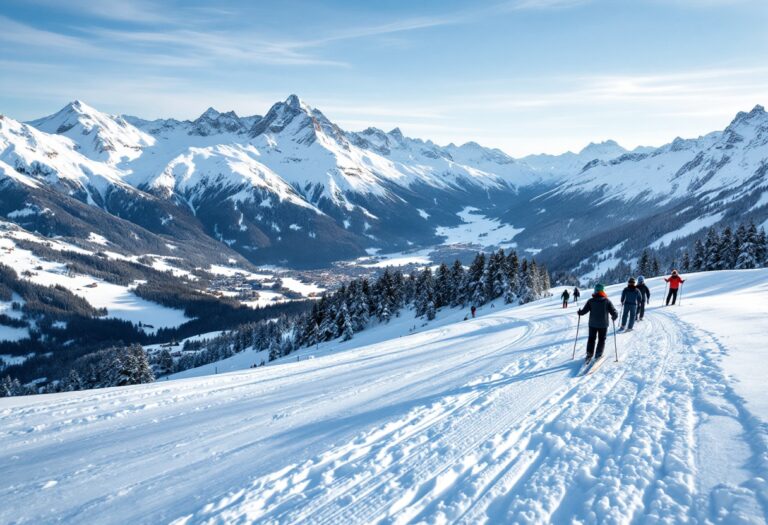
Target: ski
x=594, y=365
x=584, y=367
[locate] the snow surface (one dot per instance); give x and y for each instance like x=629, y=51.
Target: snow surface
x=690, y=228
x=420, y=257
x=480, y=230
x=10, y=333
x=478, y=421
x=120, y=301
x=301, y=287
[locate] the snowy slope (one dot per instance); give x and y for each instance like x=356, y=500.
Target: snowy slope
x=120, y=301
x=35, y=158
x=482, y=421
x=99, y=136
x=731, y=161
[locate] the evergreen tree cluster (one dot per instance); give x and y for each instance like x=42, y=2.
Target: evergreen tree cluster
x=725, y=249
x=718, y=249
x=354, y=306
x=363, y=302
x=118, y=366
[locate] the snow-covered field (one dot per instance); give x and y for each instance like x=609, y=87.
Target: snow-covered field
x=478, y=421
x=120, y=301
x=478, y=229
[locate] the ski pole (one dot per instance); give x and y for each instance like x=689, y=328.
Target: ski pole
x=578, y=323
x=680, y=300
x=615, y=344
x=666, y=297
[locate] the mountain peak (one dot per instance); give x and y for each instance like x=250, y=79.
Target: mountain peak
x=296, y=104
x=78, y=106
x=210, y=113
x=757, y=112
x=605, y=148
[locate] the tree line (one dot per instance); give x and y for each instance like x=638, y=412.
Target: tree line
x=363, y=302
x=724, y=248
x=348, y=310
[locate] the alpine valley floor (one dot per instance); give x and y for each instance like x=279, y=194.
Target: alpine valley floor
x=477, y=421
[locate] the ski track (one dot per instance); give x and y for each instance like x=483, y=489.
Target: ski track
x=503, y=433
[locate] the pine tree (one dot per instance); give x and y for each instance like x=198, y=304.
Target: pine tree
x=535, y=281
x=165, y=362
x=761, y=249
x=443, y=290
x=747, y=257
x=494, y=276
x=512, y=284
x=475, y=281
x=73, y=381
x=699, y=256
x=344, y=323
x=358, y=308
x=686, y=263
x=544, y=278
x=425, y=292
x=711, y=251
x=726, y=250
x=655, y=267
x=458, y=284
x=644, y=263
x=274, y=351
x=143, y=369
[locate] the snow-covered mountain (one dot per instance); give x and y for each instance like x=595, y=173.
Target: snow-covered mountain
x=293, y=188
x=97, y=135
x=731, y=162
x=569, y=162
x=660, y=197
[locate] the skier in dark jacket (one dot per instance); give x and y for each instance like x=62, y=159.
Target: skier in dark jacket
x=565, y=296
x=631, y=298
x=473, y=310
x=646, y=293
x=674, y=284
x=576, y=294
x=599, y=308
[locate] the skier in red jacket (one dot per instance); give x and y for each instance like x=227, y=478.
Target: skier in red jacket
x=674, y=284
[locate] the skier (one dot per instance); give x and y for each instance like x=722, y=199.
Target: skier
x=646, y=293
x=565, y=296
x=576, y=294
x=599, y=308
x=631, y=298
x=474, y=309
x=674, y=284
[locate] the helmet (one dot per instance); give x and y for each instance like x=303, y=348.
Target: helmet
x=674, y=272
x=631, y=280
x=640, y=279
x=599, y=288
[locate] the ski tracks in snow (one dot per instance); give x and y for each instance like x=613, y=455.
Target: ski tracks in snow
x=533, y=443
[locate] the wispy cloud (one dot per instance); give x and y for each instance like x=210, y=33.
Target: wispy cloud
x=141, y=11
x=543, y=4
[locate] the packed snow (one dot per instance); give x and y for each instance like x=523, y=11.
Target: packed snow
x=476, y=421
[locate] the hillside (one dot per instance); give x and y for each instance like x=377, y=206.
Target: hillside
x=471, y=421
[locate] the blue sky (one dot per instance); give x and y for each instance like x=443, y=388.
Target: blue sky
x=523, y=75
